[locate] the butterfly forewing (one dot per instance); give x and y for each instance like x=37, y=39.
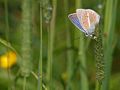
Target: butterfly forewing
x=74, y=19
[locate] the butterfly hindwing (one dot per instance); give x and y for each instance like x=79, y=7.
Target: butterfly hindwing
x=84, y=18
x=93, y=16
x=88, y=19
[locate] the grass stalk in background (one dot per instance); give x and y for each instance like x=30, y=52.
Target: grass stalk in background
x=26, y=65
x=70, y=51
x=24, y=84
x=6, y=20
x=7, y=32
x=51, y=33
x=83, y=67
x=40, y=59
x=109, y=28
x=82, y=56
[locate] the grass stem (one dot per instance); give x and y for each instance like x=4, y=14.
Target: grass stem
x=82, y=56
x=51, y=33
x=40, y=59
x=24, y=83
x=70, y=53
x=109, y=26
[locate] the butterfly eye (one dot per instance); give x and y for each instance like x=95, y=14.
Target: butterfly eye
x=86, y=35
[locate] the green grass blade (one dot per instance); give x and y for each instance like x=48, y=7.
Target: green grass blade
x=40, y=59
x=70, y=53
x=51, y=33
x=109, y=26
x=82, y=56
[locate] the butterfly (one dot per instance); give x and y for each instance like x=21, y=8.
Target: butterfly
x=85, y=20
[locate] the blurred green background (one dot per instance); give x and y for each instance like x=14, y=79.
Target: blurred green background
x=52, y=54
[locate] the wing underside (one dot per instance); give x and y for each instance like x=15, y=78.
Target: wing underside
x=74, y=19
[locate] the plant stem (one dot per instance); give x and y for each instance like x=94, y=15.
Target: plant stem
x=7, y=32
x=40, y=59
x=26, y=65
x=6, y=20
x=51, y=33
x=70, y=51
x=98, y=86
x=109, y=26
x=82, y=56
x=99, y=57
x=24, y=83
x=83, y=67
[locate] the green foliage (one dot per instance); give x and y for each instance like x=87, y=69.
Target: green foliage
x=52, y=53
x=109, y=40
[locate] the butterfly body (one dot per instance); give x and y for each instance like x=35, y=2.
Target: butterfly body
x=85, y=20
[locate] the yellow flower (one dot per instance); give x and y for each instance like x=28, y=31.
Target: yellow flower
x=8, y=59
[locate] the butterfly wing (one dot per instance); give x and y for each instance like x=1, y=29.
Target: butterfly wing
x=74, y=19
x=83, y=18
x=93, y=17
x=88, y=19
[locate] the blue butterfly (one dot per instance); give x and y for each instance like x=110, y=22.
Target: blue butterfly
x=85, y=20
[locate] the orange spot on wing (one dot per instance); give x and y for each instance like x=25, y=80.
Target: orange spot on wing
x=92, y=17
x=85, y=21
